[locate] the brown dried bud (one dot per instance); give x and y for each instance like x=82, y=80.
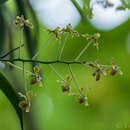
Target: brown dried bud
x=98, y=76
x=66, y=89
x=115, y=70
x=55, y=32
x=83, y=100
x=69, y=30
x=33, y=81
x=92, y=65
x=25, y=105
x=98, y=73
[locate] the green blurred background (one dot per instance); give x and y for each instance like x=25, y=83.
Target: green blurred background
x=109, y=105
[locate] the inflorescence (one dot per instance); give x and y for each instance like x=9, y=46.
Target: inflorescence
x=66, y=84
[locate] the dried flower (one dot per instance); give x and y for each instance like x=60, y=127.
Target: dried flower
x=83, y=99
x=94, y=38
x=115, y=70
x=33, y=80
x=67, y=85
x=20, y=21
x=99, y=70
x=36, y=78
x=56, y=32
x=69, y=30
x=26, y=103
x=66, y=88
x=98, y=73
x=92, y=65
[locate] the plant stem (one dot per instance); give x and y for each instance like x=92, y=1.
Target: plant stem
x=11, y=51
x=54, y=70
x=62, y=48
x=24, y=79
x=83, y=50
x=43, y=45
x=83, y=15
x=20, y=42
x=43, y=62
x=74, y=79
x=15, y=66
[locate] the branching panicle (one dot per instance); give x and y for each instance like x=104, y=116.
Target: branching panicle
x=66, y=84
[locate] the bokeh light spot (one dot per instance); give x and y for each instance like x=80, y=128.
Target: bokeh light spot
x=53, y=13
x=108, y=18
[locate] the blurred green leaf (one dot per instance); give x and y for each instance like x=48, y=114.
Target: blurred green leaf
x=8, y=90
x=3, y=28
x=2, y=1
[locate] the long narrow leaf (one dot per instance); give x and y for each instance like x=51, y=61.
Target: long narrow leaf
x=8, y=90
x=2, y=1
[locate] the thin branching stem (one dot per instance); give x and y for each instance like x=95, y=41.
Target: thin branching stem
x=11, y=51
x=43, y=62
x=46, y=62
x=43, y=45
x=20, y=42
x=24, y=78
x=54, y=70
x=101, y=65
x=20, y=68
x=82, y=13
x=74, y=79
x=83, y=50
x=63, y=45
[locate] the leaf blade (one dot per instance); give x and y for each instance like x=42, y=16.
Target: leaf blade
x=2, y=1
x=10, y=93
